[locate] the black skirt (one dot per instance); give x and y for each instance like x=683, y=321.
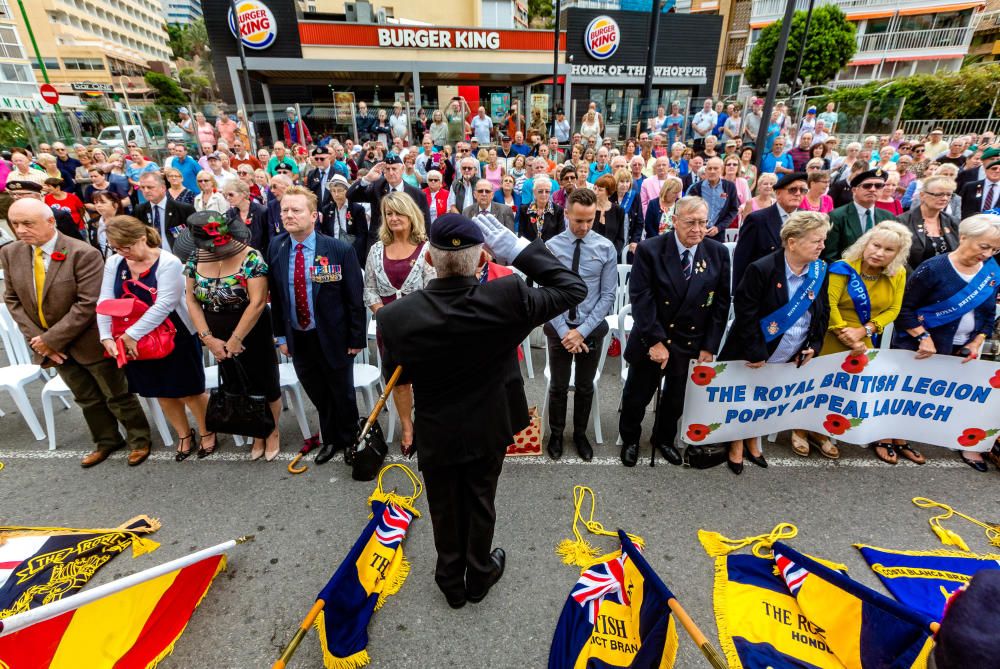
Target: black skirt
x=259, y=360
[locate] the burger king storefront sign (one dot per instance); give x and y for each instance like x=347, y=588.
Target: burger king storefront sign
x=257, y=26
x=602, y=37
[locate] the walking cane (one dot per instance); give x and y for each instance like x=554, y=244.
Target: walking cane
x=708, y=650
x=656, y=421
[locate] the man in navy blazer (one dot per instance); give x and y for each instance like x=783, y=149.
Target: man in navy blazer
x=381, y=179
x=760, y=233
x=680, y=295
x=721, y=197
x=318, y=315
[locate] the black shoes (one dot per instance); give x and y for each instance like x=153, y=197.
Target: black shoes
x=756, y=459
x=670, y=453
x=499, y=559
x=455, y=602
x=555, y=446
x=630, y=454
x=978, y=465
x=583, y=447
x=735, y=467
x=326, y=452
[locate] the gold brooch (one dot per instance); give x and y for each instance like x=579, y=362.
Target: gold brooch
x=456, y=242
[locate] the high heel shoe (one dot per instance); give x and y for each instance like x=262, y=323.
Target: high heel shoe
x=204, y=452
x=183, y=454
x=735, y=467
x=756, y=459
x=256, y=454
x=269, y=457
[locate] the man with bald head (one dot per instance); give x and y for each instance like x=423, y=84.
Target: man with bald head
x=720, y=195
x=484, y=204
x=51, y=286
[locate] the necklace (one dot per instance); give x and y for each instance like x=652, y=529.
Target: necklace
x=869, y=277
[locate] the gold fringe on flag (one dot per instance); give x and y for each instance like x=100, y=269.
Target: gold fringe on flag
x=949, y=537
x=140, y=544
x=578, y=551
x=397, y=572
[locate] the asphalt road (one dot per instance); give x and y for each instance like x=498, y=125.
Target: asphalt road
x=305, y=524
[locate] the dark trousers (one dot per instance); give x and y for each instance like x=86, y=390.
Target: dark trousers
x=561, y=363
x=461, y=500
x=101, y=390
x=640, y=386
x=330, y=390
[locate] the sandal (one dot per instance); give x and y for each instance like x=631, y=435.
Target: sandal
x=799, y=445
x=203, y=451
x=909, y=453
x=824, y=446
x=183, y=453
x=890, y=452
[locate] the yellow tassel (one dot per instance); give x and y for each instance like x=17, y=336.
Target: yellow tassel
x=717, y=545
x=949, y=537
x=394, y=583
x=353, y=661
x=142, y=545
x=405, y=501
x=577, y=553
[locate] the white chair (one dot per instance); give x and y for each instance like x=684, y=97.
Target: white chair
x=595, y=409
x=20, y=372
x=886, y=339
x=368, y=379
x=160, y=421
x=732, y=234
x=526, y=350
x=54, y=387
x=623, y=325
x=621, y=299
x=292, y=390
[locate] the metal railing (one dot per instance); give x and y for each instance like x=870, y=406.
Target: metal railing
x=915, y=39
x=774, y=9
x=952, y=127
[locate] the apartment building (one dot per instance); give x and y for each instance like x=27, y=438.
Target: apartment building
x=182, y=12
x=18, y=90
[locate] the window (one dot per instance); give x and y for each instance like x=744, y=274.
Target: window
x=877, y=26
x=83, y=63
x=9, y=44
x=50, y=64
x=16, y=72
x=731, y=85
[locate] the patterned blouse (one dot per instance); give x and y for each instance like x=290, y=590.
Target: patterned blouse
x=227, y=293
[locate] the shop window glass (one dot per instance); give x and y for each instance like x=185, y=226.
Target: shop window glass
x=926, y=66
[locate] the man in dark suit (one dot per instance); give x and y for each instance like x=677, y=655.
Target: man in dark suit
x=318, y=178
x=279, y=183
x=973, y=170
x=693, y=176
x=318, y=315
x=58, y=319
x=381, y=179
x=840, y=190
x=166, y=215
x=456, y=340
x=849, y=222
x=345, y=220
x=979, y=196
x=721, y=197
x=760, y=233
x=484, y=204
x=680, y=295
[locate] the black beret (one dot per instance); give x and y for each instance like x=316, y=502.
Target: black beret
x=453, y=232
x=877, y=173
x=18, y=184
x=321, y=151
x=968, y=636
x=393, y=159
x=789, y=179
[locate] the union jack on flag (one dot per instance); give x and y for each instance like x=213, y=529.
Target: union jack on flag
x=391, y=528
x=602, y=581
x=793, y=574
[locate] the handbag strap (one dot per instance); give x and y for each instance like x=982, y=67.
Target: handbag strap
x=241, y=375
x=140, y=284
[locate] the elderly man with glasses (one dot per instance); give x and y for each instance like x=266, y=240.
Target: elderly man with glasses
x=484, y=204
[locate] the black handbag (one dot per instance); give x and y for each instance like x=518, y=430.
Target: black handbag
x=366, y=458
x=705, y=456
x=233, y=410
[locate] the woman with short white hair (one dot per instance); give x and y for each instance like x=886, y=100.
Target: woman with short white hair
x=950, y=301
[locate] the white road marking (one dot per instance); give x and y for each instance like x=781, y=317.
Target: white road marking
x=163, y=455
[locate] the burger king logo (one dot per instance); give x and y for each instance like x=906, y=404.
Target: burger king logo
x=602, y=37
x=257, y=27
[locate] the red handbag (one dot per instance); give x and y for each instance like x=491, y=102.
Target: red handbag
x=125, y=311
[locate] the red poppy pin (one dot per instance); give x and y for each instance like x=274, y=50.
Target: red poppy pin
x=58, y=255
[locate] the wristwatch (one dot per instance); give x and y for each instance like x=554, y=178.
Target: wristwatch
x=206, y=333
x=923, y=335
x=869, y=330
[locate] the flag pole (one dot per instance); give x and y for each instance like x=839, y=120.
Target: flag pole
x=21, y=620
x=708, y=650
x=300, y=634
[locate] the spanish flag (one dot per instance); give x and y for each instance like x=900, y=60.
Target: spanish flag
x=924, y=580
x=374, y=569
x=39, y=565
x=616, y=615
x=130, y=623
x=864, y=629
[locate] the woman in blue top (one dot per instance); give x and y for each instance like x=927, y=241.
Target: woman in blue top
x=674, y=124
x=931, y=319
x=773, y=130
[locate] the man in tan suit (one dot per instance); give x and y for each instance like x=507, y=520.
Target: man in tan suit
x=58, y=318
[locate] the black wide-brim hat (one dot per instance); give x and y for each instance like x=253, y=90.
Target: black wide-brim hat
x=202, y=230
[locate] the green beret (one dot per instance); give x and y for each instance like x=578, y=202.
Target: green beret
x=991, y=157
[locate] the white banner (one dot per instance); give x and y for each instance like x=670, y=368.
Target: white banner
x=884, y=395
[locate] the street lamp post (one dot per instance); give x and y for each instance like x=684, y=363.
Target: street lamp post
x=248, y=94
x=654, y=31
x=555, y=67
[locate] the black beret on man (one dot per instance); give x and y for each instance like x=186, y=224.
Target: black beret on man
x=877, y=173
x=453, y=232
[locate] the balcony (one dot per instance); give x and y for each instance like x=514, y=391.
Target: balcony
x=772, y=10
x=927, y=42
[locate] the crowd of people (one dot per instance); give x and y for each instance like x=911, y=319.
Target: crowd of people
x=251, y=254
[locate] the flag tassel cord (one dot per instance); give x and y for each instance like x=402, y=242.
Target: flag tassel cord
x=578, y=551
x=950, y=537
x=48, y=611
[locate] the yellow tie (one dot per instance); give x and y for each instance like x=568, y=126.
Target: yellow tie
x=40, y=283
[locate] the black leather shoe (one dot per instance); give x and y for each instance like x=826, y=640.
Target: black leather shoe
x=583, y=447
x=455, y=602
x=979, y=466
x=735, y=467
x=555, y=446
x=326, y=452
x=670, y=453
x=630, y=454
x=756, y=459
x=499, y=559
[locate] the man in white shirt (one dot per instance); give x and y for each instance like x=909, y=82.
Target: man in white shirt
x=223, y=177
x=702, y=124
x=482, y=127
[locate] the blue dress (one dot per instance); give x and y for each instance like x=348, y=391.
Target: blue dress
x=180, y=374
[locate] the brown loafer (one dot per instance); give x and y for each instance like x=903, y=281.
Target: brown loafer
x=94, y=458
x=137, y=456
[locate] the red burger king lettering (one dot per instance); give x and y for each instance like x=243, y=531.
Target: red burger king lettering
x=254, y=21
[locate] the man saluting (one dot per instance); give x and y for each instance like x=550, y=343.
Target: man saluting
x=457, y=341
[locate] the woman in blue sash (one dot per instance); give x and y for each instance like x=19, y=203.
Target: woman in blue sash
x=950, y=301
x=866, y=292
x=782, y=310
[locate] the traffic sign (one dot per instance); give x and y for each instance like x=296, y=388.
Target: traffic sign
x=49, y=94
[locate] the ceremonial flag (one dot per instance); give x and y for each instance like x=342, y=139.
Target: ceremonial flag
x=374, y=569
x=39, y=565
x=130, y=623
x=617, y=615
x=864, y=629
x=924, y=580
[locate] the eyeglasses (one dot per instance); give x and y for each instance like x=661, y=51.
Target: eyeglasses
x=467, y=168
x=941, y=194
x=798, y=190
x=484, y=190
x=433, y=179
x=918, y=150
x=695, y=223
x=204, y=181
x=869, y=185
